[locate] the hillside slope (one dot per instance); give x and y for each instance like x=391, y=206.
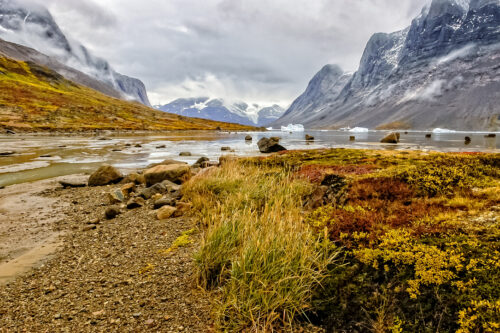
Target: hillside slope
x=35, y=98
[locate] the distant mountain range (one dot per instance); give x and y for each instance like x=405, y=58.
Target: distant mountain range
x=441, y=71
x=31, y=25
x=220, y=110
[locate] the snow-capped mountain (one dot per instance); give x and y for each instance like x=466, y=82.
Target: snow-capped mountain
x=31, y=25
x=220, y=110
x=442, y=71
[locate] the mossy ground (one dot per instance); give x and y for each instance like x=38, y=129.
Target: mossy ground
x=34, y=98
x=396, y=242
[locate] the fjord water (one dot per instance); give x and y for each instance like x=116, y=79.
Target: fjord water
x=41, y=157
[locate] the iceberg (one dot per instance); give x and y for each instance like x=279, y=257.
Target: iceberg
x=358, y=130
x=293, y=128
x=442, y=130
x=269, y=128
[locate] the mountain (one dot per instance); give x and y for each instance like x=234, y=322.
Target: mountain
x=220, y=110
x=441, y=71
x=36, y=98
x=31, y=25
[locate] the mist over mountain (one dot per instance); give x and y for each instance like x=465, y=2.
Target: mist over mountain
x=441, y=71
x=221, y=110
x=32, y=25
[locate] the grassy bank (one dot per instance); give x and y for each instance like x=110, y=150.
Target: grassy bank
x=36, y=99
x=352, y=240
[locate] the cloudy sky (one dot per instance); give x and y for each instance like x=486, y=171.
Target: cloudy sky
x=258, y=51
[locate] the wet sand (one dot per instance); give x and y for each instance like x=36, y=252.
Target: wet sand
x=29, y=231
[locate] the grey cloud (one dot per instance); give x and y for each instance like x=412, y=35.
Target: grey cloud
x=254, y=50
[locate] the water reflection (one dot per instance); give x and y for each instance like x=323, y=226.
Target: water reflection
x=41, y=157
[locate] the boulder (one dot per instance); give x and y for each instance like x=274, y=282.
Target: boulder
x=467, y=140
x=225, y=148
x=270, y=145
x=10, y=132
x=161, y=147
x=135, y=178
x=391, y=138
x=105, y=175
x=157, y=197
x=171, y=187
x=163, y=202
x=182, y=208
x=176, y=173
x=112, y=212
x=428, y=136
x=491, y=135
x=152, y=190
x=135, y=202
x=201, y=160
x=165, y=212
x=309, y=137
x=128, y=189
x=185, y=153
x=352, y=138
x=116, y=197
x=167, y=162
x=248, y=138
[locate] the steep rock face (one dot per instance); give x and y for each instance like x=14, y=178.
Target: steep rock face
x=442, y=71
x=33, y=26
x=220, y=110
x=322, y=90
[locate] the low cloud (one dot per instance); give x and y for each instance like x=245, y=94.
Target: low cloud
x=257, y=50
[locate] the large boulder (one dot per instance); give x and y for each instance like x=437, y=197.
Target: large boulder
x=105, y=175
x=176, y=173
x=391, y=138
x=270, y=145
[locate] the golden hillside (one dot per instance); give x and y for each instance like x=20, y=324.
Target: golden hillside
x=35, y=98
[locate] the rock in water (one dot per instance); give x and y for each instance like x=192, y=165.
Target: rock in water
x=248, y=138
x=467, y=140
x=165, y=212
x=105, y=175
x=309, y=137
x=176, y=173
x=271, y=145
x=352, y=138
x=225, y=148
x=185, y=153
x=391, y=138
x=7, y=153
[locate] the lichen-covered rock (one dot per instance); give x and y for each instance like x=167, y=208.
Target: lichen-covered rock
x=105, y=175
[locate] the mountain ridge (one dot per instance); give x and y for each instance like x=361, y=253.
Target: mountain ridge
x=442, y=66
x=33, y=26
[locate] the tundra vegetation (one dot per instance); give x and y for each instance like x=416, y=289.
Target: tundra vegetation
x=353, y=240
x=35, y=98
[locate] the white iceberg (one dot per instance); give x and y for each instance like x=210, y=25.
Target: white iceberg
x=442, y=130
x=293, y=128
x=359, y=130
x=269, y=128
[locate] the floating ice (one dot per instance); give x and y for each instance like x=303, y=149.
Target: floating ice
x=269, y=128
x=442, y=130
x=293, y=128
x=358, y=130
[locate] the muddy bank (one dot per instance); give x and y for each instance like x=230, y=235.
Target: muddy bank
x=108, y=274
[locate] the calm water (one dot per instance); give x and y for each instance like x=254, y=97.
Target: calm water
x=71, y=155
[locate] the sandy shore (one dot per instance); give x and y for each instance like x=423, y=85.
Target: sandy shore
x=73, y=270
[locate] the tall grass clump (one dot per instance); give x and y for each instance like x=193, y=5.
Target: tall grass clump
x=257, y=253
